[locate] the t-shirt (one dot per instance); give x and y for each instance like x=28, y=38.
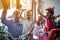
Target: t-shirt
x=36, y=29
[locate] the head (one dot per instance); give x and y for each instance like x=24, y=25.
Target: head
x=40, y=20
x=50, y=12
x=16, y=15
x=29, y=15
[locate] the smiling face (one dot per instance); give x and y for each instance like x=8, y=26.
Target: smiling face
x=48, y=13
x=29, y=15
x=16, y=16
x=40, y=18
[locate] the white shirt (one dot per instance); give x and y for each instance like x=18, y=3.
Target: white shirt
x=37, y=28
x=27, y=26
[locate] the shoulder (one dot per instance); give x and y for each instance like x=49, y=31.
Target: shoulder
x=9, y=21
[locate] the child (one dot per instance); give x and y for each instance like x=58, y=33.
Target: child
x=49, y=19
x=38, y=25
x=49, y=22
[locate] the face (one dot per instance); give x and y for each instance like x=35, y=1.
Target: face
x=48, y=14
x=16, y=16
x=40, y=18
x=29, y=15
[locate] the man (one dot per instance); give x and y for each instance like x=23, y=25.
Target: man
x=14, y=25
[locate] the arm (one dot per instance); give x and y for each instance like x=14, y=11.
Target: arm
x=3, y=18
x=30, y=31
x=21, y=12
x=41, y=14
x=56, y=16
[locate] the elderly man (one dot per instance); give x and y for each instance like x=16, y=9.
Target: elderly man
x=14, y=25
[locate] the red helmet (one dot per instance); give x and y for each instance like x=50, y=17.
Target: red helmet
x=51, y=10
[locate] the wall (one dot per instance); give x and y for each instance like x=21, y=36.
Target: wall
x=56, y=3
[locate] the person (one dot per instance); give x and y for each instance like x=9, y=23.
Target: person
x=49, y=22
x=14, y=26
x=38, y=25
x=49, y=18
x=28, y=26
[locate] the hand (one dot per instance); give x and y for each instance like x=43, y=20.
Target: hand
x=22, y=9
x=39, y=7
x=39, y=10
x=29, y=32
